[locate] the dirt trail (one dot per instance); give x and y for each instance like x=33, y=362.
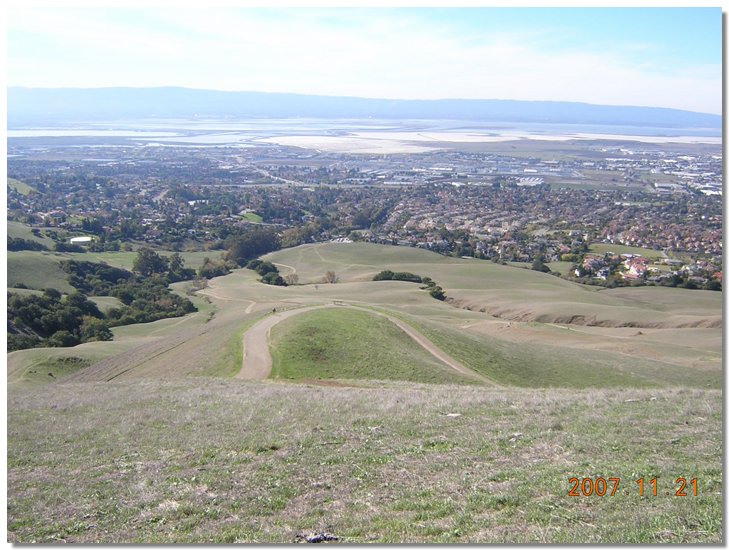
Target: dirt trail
x=257, y=361
x=211, y=292
x=292, y=268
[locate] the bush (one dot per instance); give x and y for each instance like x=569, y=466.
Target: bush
x=272, y=278
x=63, y=339
x=266, y=267
x=68, y=247
x=253, y=264
x=210, y=269
x=15, y=244
x=437, y=293
x=387, y=275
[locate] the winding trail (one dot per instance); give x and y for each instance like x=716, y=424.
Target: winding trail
x=257, y=361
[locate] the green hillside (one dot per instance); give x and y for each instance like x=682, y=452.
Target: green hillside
x=23, y=231
x=37, y=270
x=350, y=344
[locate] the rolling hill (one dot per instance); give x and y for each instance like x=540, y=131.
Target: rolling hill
x=515, y=326
x=366, y=430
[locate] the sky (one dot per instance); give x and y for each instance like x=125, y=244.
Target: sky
x=654, y=56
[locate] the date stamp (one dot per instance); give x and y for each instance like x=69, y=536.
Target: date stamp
x=611, y=486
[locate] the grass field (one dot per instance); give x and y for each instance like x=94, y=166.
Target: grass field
x=19, y=186
x=505, y=292
x=204, y=460
x=541, y=364
x=253, y=217
x=602, y=248
x=105, y=303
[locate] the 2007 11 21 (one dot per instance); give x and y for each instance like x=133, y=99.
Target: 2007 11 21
x=601, y=486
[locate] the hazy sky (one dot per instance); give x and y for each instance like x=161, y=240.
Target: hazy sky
x=665, y=57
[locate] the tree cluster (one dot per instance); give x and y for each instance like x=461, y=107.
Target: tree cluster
x=243, y=247
x=387, y=275
x=94, y=279
x=268, y=272
x=54, y=320
x=149, y=263
x=146, y=301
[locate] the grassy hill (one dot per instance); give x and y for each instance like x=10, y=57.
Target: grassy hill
x=37, y=270
x=350, y=344
x=24, y=231
x=505, y=292
x=539, y=363
x=516, y=326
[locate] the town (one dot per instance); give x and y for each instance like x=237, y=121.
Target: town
x=546, y=208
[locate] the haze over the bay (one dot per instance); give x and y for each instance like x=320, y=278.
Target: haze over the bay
x=649, y=57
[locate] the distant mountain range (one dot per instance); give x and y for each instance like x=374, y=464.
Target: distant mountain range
x=33, y=106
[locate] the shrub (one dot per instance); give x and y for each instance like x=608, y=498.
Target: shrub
x=437, y=293
x=273, y=278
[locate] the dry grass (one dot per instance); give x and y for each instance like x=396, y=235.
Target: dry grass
x=206, y=460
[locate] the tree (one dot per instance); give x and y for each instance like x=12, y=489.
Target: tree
x=712, y=284
x=53, y=294
x=266, y=267
x=148, y=262
x=210, y=269
x=177, y=270
x=539, y=265
x=292, y=279
x=330, y=277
